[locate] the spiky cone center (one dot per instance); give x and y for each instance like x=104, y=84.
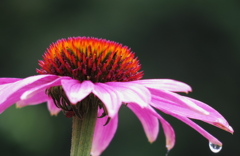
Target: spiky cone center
x=87, y=58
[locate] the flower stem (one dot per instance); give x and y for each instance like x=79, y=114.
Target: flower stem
x=82, y=133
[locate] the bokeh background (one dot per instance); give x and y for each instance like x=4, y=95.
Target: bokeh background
x=196, y=42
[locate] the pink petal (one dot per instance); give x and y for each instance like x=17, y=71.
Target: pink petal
x=8, y=80
x=175, y=98
x=38, y=98
x=165, y=84
x=193, y=125
x=11, y=93
x=76, y=90
x=132, y=92
x=169, y=133
x=103, y=135
x=34, y=92
x=167, y=128
x=38, y=95
x=213, y=118
x=52, y=107
x=199, y=129
x=109, y=97
x=149, y=121
x=219, y=121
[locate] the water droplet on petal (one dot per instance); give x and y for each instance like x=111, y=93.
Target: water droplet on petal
x=215, y=148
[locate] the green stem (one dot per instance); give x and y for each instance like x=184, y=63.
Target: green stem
x=82, y=133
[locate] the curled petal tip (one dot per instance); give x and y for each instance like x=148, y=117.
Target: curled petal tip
x=18, y=106
x=169, y=146
x=223, y=124
x=150, y=141
x=229, y=129
x=54, y=113
x=188, y=91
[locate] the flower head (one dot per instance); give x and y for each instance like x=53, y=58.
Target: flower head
x=78, y=71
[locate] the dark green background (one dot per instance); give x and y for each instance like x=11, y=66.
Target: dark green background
x=196, y=42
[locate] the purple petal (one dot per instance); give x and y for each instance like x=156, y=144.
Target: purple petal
x=149, y=121
x=8, y=80
x=11, y=93
x=175, y=98
x=165, y=84
x=204, y=133
x=132, y=92
x=77, y=91
x=52, y=107
x=103, y=135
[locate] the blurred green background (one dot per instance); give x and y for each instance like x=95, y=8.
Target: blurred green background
x=196, y=42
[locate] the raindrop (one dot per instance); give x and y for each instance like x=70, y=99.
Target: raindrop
x=215, y=148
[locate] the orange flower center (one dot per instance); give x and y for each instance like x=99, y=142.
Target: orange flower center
x=86, y=58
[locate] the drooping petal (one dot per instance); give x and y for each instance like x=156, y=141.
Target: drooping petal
x=103, y=135
x=149, y=122
x=199, y=129
x=38, y=95
x=8, y=80
x=168, y=132
x=77, y=91
x=132, y=92
x=165, y=84
x=11, y=93
x=219, y=121
x=109, y=97
x=37, y=98
x=193, y=125
x=41, y=89
x=167, y=128
x=213, y=118
x=24, y=85
x=178, y=99
x=52, y=107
